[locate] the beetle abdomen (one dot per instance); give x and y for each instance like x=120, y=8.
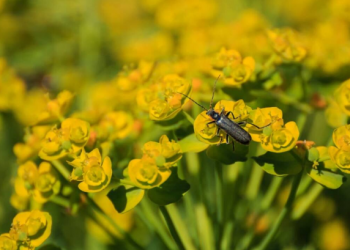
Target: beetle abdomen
x=234, y=130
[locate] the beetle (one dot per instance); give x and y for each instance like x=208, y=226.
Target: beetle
x=223, y=122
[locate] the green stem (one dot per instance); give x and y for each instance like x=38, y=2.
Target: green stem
x=271, y=193
x=62, y=169
x=158, y=225
x=285, y=211
x=59, y=200
x=188, y=117
x=171, y=227
x=304, y=202
x=255, y=178
x=96, y=208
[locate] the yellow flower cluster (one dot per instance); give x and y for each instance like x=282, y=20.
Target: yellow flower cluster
x=29, y=230
x=273, y=134
x=286, y=44
x=162, y=99
x=153, y=168
x=235, y=69
x=340, y=154
x=93, y=174
x=39, y=182
x=70, y=138
x=339, y=105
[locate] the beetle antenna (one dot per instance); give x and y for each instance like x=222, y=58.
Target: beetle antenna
x=212, y=97
x=193, y=100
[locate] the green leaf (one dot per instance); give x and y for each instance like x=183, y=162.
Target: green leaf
x=325, y=177
x=170, y=191
x=192, y=144
x=313, y=154
x=280, y=164
x=225, y=154
x=50, y=247
x=125, y=197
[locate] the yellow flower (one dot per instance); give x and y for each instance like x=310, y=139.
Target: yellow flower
x=27, y=175
x=170, y=149
x=207, y=134
x=56, y=108
x=77, y=131
x=144, y=97
x=53, y=145
x=342, y=97
x=32, y=145
x=286, y=44
x=159, y=110
x=233, y=67
x=129, y=79
x=341, y=158
x=43, y=183
x=47, y=183
x=165, y=153
x=34, y=225
x=7, y=243
x=280, y=140
x=341, y=137
x=12, y=88
x=117, y=125
x=19, y=202
x=262, y=117
x=145, y=174
x=69, y=139
x=93, y=175
x=168, y=102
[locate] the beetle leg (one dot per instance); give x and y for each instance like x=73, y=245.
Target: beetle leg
x=234, y=118
x=210, y=123
x=218, y=132
x=219, y=142
x=222, y=111
x=227, y=139
x=245, y=122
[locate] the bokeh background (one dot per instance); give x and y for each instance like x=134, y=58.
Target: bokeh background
x=64, y=44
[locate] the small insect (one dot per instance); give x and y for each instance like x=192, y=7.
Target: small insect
x=223, y=122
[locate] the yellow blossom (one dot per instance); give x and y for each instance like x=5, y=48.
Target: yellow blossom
x=286, y=44
x=280, y=140
x=7, y=243
x=93, y=174
x=27, y=175
x=32, y=143
x=47, y=183
x=12, y=88
x=341, y=137
x=165, y=153
x=19, y=202
x=168, y=101
x=144, y=173
x=116, y=125
x=342, y=97
x=263, y=117
x=56, y=108
x=341, y=158
x=33, y=227
x=69, y=139
x=40, y=182
x=235, y=69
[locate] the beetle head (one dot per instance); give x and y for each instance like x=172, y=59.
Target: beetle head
x=213, y=114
